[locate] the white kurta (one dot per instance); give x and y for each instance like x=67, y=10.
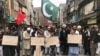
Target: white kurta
x=26, y=40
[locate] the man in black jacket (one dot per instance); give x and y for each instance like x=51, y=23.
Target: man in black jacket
x=93, y=40
x=86, y=41
x=63, y=39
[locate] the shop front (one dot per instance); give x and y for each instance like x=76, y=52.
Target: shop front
x=92, y=20
x=89, y=19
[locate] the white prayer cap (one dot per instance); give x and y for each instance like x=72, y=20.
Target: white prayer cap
x=64, y=25
x=28, y=29
x=74, y=26
x=95, y=26
x=49, y=27
x=79, y=27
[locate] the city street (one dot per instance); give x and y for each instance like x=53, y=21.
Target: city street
x=50, y=27
x=81, y=53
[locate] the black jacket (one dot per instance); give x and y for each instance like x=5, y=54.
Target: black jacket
x=94, y=35
x=86, y=37
x=63, y=36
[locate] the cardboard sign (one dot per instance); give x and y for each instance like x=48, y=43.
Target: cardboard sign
x=10, y=40
x=37, y=41
x=52, y=41
x=74, y=39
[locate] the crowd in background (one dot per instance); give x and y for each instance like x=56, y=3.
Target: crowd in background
x=90, y=39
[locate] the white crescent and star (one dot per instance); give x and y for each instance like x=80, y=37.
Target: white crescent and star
x=44, y=10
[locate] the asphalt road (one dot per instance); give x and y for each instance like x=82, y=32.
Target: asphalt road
x=81, y=53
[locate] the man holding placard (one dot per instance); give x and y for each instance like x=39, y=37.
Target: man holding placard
x=26, y=42
x=47, y=34
x=74, y=39
x=9, y=43
x=63, y=35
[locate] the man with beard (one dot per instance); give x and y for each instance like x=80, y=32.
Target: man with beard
x=63, y=39
x=86, y=41
x=26, y=42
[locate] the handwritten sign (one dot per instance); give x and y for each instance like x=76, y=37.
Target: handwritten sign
x=74, y=39
x=10, y=40
x=52, y=41
x=37, y=41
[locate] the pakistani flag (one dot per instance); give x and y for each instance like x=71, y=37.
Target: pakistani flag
x=49, y=10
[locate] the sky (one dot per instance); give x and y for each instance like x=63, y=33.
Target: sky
x=37, y=3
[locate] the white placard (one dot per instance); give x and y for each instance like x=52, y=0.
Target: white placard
x=52, y=41
x=10, y=40
x=74, y=39
x=37, y=41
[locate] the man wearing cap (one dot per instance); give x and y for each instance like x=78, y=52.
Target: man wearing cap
x=26, y=42
x=86, y=41
x=63, y=39
x=47, y=34
x=75, y=48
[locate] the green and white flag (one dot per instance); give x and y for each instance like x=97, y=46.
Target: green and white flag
x=49, y=10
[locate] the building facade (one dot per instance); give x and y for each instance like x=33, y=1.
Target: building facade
x=3, y=11
x=61, y=17
x=39, y=18
x=72, y=11
x=83, y=12
x=9, y=10
x=29, y=4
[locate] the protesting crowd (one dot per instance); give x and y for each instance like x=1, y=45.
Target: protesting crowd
x=90, y=40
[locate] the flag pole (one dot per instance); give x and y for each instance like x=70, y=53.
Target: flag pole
x=38, y=17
